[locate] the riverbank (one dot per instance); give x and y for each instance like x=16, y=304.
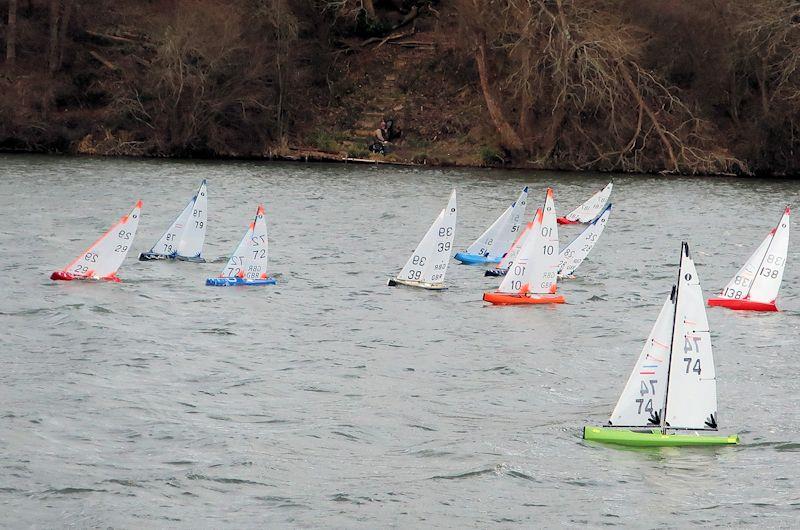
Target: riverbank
x=468, y=87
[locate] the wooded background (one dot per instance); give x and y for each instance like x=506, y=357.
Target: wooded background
x=668, y=86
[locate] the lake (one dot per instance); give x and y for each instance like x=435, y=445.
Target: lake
x=333, y=400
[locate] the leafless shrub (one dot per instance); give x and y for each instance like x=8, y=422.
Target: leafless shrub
x=211, y=86
x=569, y=73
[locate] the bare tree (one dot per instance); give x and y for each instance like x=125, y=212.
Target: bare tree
x=52, y=53
x=219, y=81
x=769, y=37
x=11, y=34
x=568, y=70
x=59, y=23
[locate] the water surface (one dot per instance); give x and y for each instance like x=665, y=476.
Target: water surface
x=333, y=400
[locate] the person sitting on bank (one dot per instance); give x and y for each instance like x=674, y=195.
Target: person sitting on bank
x=382, y=132
x=387, y=131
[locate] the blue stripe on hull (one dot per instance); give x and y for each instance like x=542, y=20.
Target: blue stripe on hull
x=230, y=282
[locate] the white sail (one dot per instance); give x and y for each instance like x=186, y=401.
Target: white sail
x=249, y=260
x=768, y=279
x=167, y=244
x=495, y=241
x=535, y=268
x=512, y=227
x=427, y=265
x=512, y=253
x=545, y=263
x=641, y=403
x=573, y=254
x=105, y=256
x=186, y=234
x=739, y=286
x=519, y=271
x=190, y=244
x=692, y=387
x=592, y=207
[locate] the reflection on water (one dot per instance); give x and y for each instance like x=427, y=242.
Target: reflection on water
x=332, y=400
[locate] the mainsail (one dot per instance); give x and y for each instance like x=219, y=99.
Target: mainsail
x=592, y=207
x=494, y=242
x=573, y=254
x=512, y=253
x=190, y=244
x=692, y=385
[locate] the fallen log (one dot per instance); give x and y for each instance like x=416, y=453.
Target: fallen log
x=105, y=62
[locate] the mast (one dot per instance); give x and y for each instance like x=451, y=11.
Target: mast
x=675, y=292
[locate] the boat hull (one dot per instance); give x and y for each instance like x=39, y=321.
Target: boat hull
x=565, y=221
x=742, y=305
x=394, y=282
x=522, y=299
x=474, y=259
x=495, y=272
x=65, y=276
x=233, y=282
x=654, y=438
x=153, y=256
x=193, y=259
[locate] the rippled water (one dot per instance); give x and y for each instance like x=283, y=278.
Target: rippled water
x=333, y=400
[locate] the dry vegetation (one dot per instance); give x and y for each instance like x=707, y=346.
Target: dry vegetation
x=670, y=86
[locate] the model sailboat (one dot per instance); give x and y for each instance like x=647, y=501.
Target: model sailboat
x=102, y=260
x=755, y=287
x=427, y=265
x=184, y=238
x=248, y=263
x=570, y=257
x=502, y=267
x=495, y=241
x=590, y=209
x=673, y=385
x=532, y=277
